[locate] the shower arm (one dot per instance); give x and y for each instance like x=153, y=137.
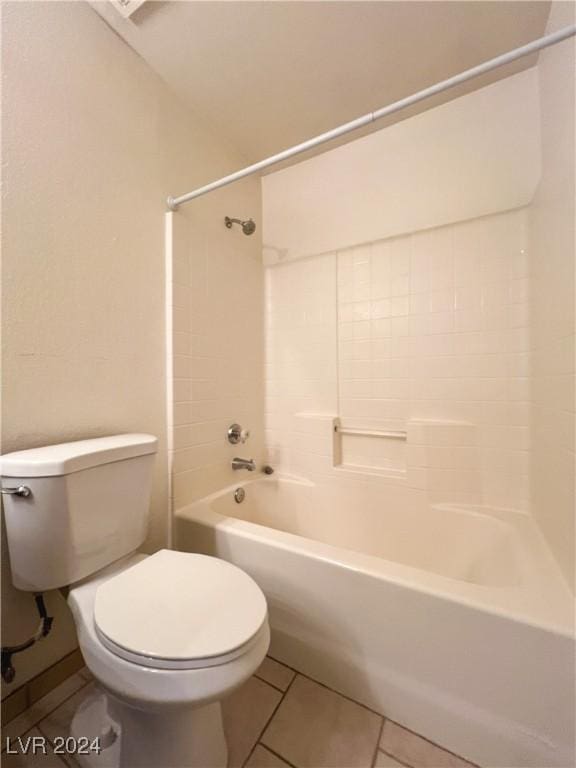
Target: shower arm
x=481, y=69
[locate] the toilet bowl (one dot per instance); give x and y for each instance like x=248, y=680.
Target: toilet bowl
x=167, y=637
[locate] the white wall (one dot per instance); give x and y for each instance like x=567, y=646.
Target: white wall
x=552, y=270
x=473, y=156
x=93, y=143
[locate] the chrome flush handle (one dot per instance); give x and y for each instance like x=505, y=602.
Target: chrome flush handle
x=22, y=490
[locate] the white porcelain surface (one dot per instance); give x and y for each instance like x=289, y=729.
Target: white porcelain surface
x=489, y=558
x=147, y=687
x=192, y=737
x=179, y=609
x=476, y=655
x=73, y=525
x=64, y=458
x=168, y=717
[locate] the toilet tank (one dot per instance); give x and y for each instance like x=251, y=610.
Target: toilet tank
x=88, y=507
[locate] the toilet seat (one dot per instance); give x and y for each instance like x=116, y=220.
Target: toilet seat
x=177, y=610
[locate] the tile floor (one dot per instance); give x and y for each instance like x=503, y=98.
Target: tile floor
x=278, y=719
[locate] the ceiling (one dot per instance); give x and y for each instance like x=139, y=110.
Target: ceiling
x=267, y=75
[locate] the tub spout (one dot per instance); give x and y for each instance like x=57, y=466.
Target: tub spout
x=244, y=464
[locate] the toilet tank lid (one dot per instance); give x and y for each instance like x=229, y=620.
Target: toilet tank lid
x=65, y=458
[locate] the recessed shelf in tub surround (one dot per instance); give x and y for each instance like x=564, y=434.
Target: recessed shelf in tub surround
x=439, y=456
x=370, y=446
x=324, y=444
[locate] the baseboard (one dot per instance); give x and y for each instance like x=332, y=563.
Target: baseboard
x=22, y=698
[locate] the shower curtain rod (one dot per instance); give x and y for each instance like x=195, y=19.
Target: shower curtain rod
x=480, y=69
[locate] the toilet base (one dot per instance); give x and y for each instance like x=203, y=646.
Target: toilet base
x=136, y=738
x=92, y=721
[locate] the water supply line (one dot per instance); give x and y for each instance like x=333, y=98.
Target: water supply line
x=481, y=69
x=7, y=670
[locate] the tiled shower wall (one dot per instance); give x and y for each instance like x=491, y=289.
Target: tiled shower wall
x=215, y=308
x=401, y=333
x=553, y=306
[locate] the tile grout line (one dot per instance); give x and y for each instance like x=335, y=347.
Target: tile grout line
x=375, y=712
x=66, y=756
x=375, y=755
x=398, y=760
x=276, y=754
x=434, y=744
x=25, y=688
x=280, y=690
x=338, y=693
x=269, y=720
x=283, y=664
x=36, y=723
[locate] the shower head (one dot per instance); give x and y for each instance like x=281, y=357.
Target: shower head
x=248, y=226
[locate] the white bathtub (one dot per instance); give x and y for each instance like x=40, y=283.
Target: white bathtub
x=452, y=621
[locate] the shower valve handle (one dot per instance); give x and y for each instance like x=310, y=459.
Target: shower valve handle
x=237, y=435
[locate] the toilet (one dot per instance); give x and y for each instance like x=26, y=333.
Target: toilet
x=167, y=636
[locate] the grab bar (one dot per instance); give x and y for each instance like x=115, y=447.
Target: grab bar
x=390, y=433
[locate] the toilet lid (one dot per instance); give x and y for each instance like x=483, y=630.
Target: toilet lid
x=177, y=609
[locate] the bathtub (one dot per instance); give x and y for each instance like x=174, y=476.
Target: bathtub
x=451, y=620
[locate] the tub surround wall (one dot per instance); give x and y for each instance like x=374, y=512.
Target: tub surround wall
x=476, y=155
x=430, y=330
x=301, y=347
x=426, y=334
x=96, y=141
x=433, y=327
x=552, y=265
x=216, y=313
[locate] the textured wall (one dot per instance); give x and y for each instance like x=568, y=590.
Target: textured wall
x=93, y=143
